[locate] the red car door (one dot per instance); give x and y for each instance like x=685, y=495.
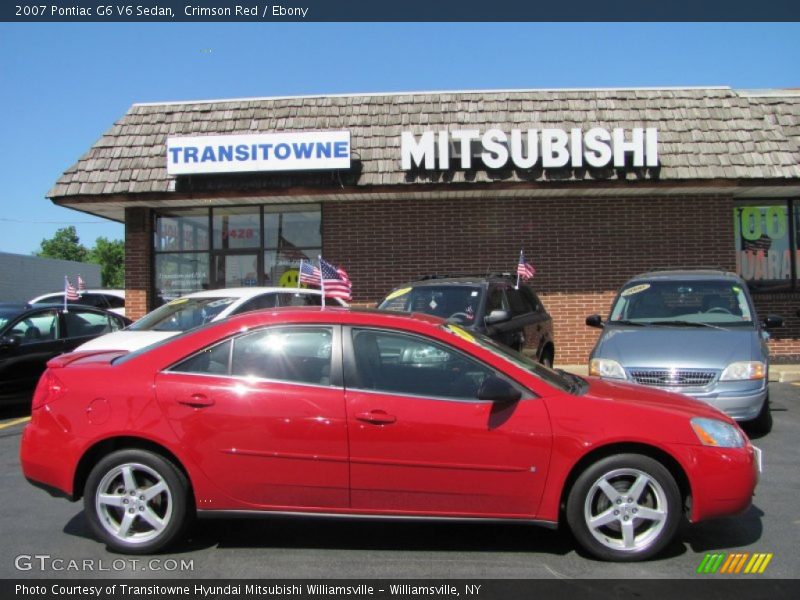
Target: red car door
x=420, y=441
x=263, y=416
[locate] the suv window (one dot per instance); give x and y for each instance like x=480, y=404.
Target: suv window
x=530, y=298
x=295, y=354
x=518, y=304
x=497, y=299
x=406, y=364
x=459, y=302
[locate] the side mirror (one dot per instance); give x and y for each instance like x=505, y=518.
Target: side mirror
x=498, y=390
x=10, y=341
x=773, y=321
x=594, y=321
x=497, y=316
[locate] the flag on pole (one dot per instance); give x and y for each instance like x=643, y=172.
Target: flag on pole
x=525, y=270
x=308, y=273
x=335, y=281
x=69, y=292
x=81, y=285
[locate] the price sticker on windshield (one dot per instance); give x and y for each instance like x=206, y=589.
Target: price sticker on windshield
x=635, y=289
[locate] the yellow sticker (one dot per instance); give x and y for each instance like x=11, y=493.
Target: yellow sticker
x=398, y=293
x=178, y=301
x=289, y=278
x=461, y=333
x=635, y=289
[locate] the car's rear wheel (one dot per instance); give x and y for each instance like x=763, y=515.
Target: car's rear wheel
x=136, y=501
x=624, y=508
x=762, y=424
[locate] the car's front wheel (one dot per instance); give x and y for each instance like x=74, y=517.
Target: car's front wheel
x=624, y=508
x=136, y=501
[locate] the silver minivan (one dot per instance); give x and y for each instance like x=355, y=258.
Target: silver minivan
x=690, y=331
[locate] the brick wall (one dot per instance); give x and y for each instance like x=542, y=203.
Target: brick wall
x=138, y=261
x=583, y=249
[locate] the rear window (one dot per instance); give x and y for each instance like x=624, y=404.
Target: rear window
x=183, y=314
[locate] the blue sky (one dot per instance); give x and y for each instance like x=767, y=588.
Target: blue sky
x=63, y=85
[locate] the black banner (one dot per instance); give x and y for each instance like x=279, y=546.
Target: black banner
x=332, y=589
x=259, y=11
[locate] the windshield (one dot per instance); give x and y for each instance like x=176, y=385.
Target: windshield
x=558, y=379
x=459, y=303
x=713, y=303
x=182, y=314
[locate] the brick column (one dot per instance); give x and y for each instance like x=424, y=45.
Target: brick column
x=138, y=261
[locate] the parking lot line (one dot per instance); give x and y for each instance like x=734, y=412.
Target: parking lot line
x=14, y=422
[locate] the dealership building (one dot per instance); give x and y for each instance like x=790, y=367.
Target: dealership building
x=594, y=185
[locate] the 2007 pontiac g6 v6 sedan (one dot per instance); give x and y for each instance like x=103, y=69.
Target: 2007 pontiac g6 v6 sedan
x=337, y=412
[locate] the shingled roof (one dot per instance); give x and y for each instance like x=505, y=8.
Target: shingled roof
x=704, y=134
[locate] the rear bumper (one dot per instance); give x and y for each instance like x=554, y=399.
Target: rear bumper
x=48, y=454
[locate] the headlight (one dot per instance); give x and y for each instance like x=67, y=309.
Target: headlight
x=605, y=367
x=744, y=370
x=712, y=432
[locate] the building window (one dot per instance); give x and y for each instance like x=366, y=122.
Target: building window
x=766, y=244
x=202, y=248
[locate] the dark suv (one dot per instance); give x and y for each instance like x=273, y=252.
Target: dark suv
x=488, y=304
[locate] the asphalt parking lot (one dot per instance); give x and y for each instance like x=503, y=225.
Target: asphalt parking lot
x=41, y=535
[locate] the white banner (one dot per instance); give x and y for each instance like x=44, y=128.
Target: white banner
x=306, y=151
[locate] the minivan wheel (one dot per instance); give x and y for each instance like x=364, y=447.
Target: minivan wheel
x=762, y=424
x=136, y=501
x=624, y=508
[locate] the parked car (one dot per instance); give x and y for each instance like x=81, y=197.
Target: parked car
x=690, y=331
x=373, y=414
x=192, y=310
x=113, y=300
x=488, y=304
x=32, y=335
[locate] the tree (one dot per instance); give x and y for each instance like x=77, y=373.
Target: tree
x=64, y=245
x=110, y=255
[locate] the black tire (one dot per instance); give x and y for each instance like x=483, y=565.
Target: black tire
x=762, y=424
x=659, y=496
x=154, y=522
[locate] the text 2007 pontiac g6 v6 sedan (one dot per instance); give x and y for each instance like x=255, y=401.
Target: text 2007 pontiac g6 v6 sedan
x=337, y=412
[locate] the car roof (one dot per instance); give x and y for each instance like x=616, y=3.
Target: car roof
x=249, y=292
x=687, y=274
x=120, y=293
x=338, y=315
x=435, y=280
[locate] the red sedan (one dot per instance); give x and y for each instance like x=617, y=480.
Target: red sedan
x=337, y=412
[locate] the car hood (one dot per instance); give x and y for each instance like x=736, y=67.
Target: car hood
x=629, y=395
x=665, y=347
x=126, y=340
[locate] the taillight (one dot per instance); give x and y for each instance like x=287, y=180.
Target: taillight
x=48, y=389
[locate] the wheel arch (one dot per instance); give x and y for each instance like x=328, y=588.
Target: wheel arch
x=103, y=448
x=596, y=454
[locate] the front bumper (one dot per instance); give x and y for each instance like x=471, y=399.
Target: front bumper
x=739, y=400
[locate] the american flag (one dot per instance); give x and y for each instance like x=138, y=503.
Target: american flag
x=309, y=273
x=336, y=282
x=70, y=293
x=525, y=270
x=81, y=285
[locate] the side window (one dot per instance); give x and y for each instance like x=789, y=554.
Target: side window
x=83, y=323
x=97, y=300
x=211, y=361
x=114, y=301
x=407, y=364
x=40, y=327
x=116, y=323
x=298, y=299
x=296, y=354
x=257, y=303
x=531, y=298
x=496, y=300
x=517, y=302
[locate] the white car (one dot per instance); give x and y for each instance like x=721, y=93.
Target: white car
x=113, y=300
x=195, y=309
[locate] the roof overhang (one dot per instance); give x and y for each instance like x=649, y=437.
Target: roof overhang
x=113, y=206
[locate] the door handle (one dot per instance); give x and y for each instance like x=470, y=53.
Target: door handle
x=376, y=417
x=197, y=401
